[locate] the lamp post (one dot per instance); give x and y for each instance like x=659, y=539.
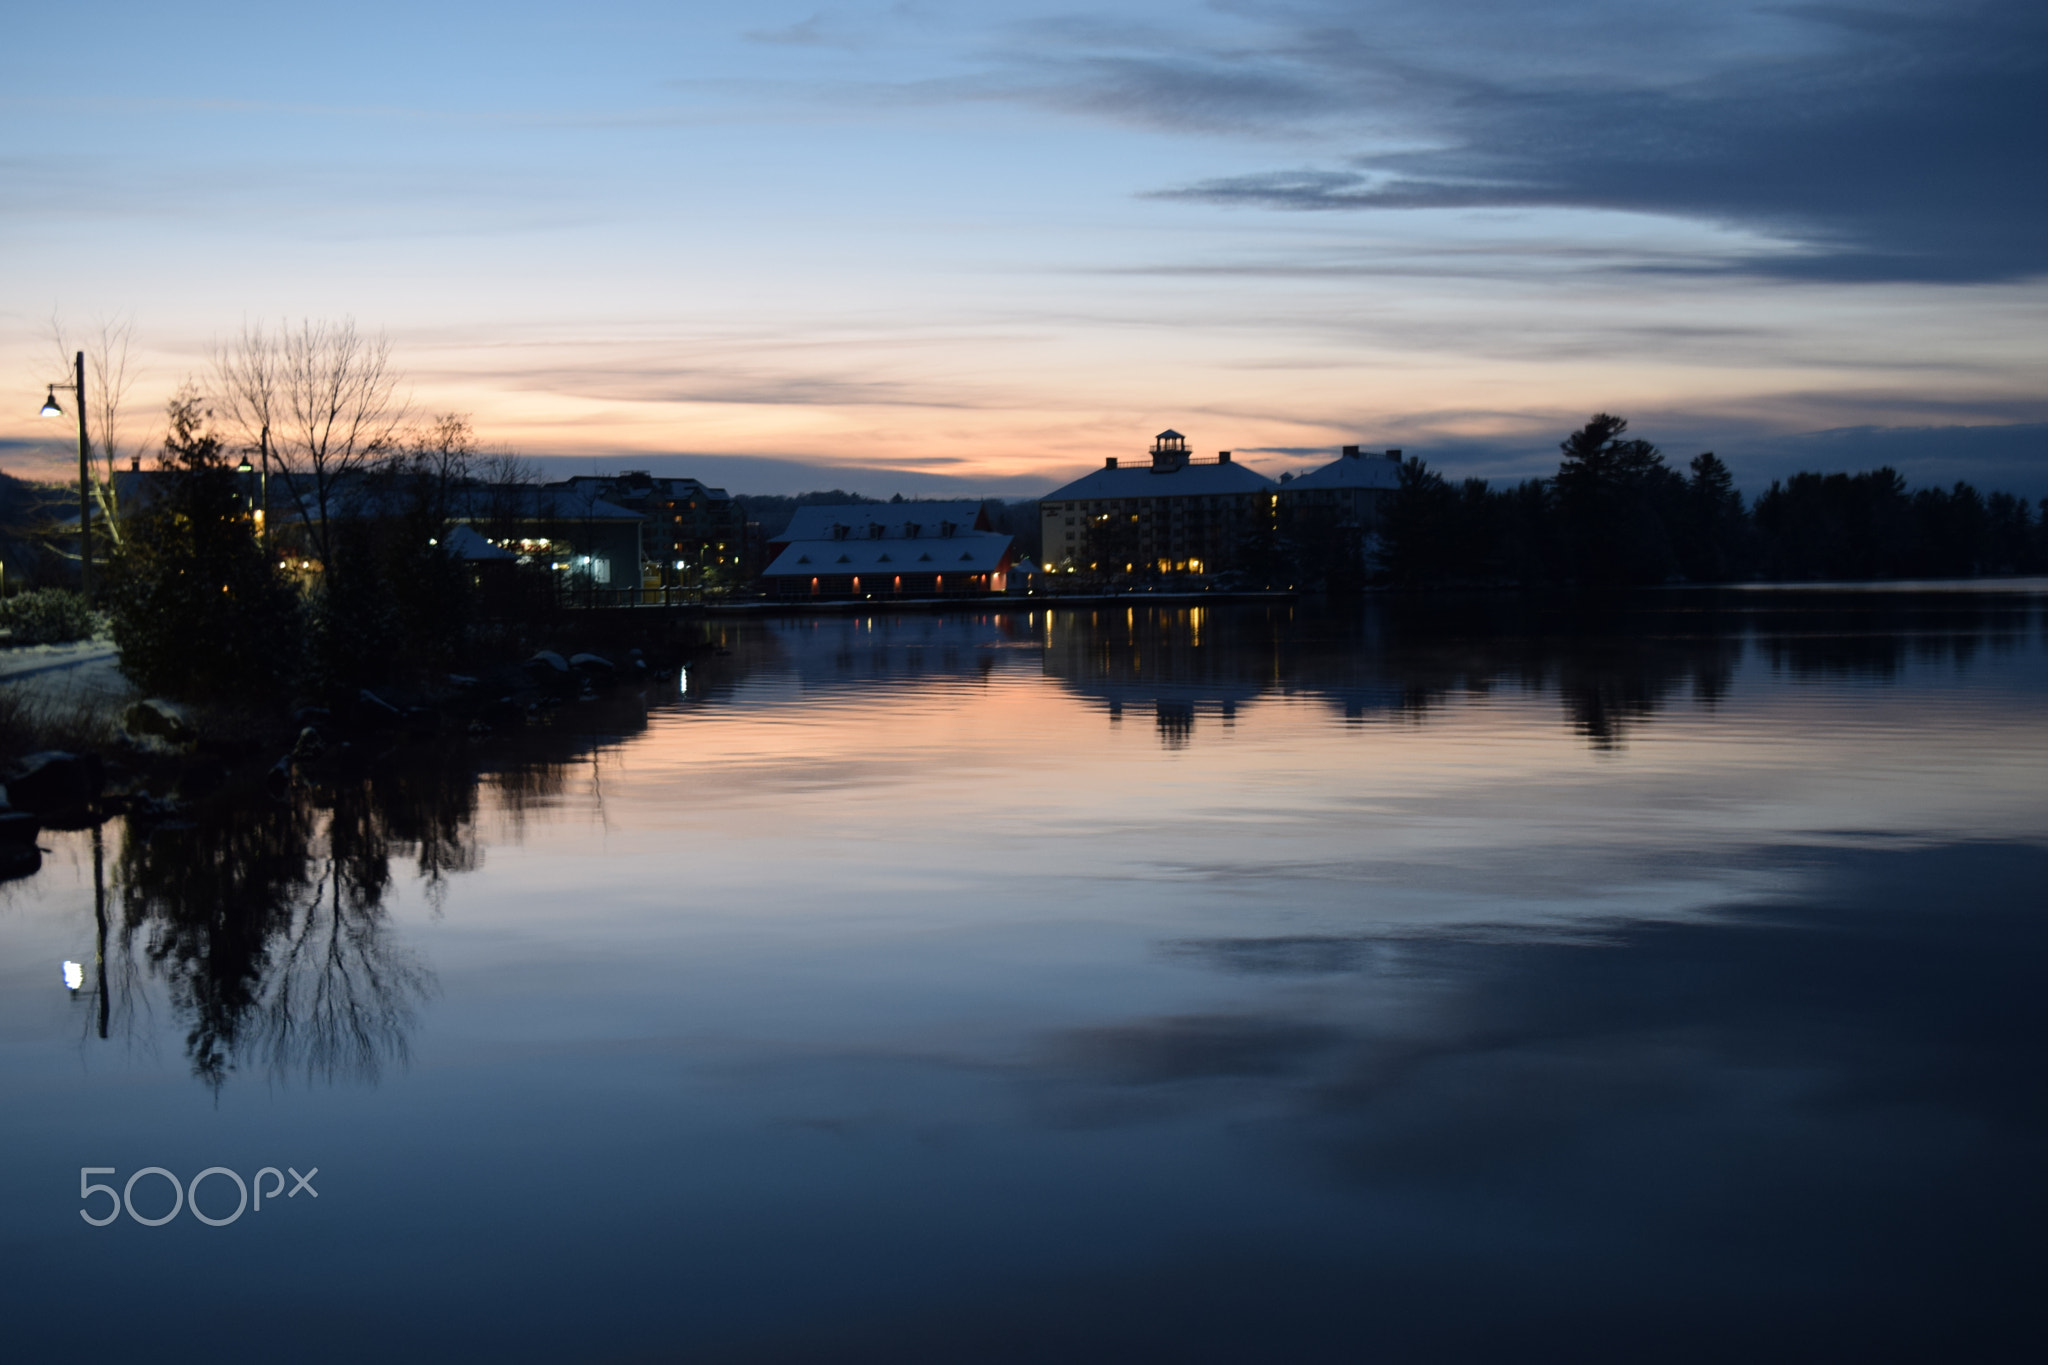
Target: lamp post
x=263, y=488
x=248, y=498
x=50, y=409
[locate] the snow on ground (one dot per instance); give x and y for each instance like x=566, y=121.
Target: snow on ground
x=58, y=676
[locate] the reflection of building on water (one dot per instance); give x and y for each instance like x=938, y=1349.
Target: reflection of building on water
x=831, y=651
x=1179, y=663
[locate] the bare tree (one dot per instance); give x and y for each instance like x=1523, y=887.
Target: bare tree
x=320, y=403
x=441, y=458
x=108, y=379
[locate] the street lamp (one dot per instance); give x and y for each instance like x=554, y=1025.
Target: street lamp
x=245, y=469
x=50, y=409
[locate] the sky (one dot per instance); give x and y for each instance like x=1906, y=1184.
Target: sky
x=977, y=248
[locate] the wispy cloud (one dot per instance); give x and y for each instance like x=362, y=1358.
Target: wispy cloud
x=1894, y=142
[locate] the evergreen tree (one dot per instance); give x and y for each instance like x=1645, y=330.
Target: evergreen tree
x=1712, y=531
x=1418, y=529
x=199, y=610
x=1613, y=499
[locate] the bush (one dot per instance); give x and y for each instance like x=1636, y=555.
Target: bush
x=47, y=616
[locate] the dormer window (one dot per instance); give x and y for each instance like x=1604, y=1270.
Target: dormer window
x=947, y=528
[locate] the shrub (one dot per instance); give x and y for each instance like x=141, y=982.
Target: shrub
x=47, y=616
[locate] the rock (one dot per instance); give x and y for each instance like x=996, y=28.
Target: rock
x=592, y=663
x=373, y=712
x=148, y=809
x=311, y=744
x=501, y=713
x=204, y=775
x=547, y=658
x=157, y=724
x=53, y=781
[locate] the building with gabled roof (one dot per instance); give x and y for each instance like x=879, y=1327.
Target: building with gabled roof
x=907, y=549
x=1354, y=488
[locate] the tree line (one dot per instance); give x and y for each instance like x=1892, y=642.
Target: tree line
x=1616, y=513
x=294, y=538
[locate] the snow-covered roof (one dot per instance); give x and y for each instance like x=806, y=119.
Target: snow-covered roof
x=1368, y=470
x=898, y=520
x=973, y=552
x=1142, y=481
x=465, y=543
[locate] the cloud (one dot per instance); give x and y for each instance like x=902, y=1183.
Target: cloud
x=809, y=32
x=1895, y=143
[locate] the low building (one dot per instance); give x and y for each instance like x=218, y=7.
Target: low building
x=694, y=536
x=593, y=543
x=902, y=549
x=1175, y=515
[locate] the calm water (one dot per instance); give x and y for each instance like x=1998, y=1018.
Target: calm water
x=1662, y=981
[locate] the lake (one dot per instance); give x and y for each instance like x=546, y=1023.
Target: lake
x=1649, y=978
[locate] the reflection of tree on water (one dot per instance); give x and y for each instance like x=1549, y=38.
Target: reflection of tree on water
x=267, y=922
x=1614, y=662
x=267, y=918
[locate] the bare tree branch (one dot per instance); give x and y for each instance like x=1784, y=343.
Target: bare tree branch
x=323, y=398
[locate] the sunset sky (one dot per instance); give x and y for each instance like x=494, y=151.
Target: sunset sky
x=920, y=247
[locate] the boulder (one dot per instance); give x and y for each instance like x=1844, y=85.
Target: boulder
x=502, y=714
x=53, y=781
x=146, y=809
x=201, y=777
x=546, y=659
x=155, y=723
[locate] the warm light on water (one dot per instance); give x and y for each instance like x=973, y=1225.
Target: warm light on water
x=1101, y=986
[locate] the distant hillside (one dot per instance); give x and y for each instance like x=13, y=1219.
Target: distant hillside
x=773, y=511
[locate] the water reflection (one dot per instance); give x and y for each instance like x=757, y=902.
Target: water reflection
x=265, y=915
x=1645, y=979
x=269, y=922
x=1612, y=663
